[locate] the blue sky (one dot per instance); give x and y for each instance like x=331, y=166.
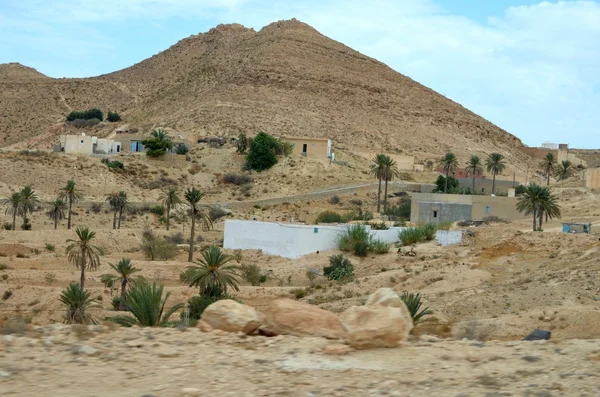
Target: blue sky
x=531, y=67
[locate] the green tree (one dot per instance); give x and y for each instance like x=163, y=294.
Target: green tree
x=170, y=200
x=564, y=170
x=212, y=274
x=193, y=197
x=29, y=200
x=147, y=304
x=71, y=193
x=78, y=302
x=378, y=171
x=113, y=117
x=448, y=163
x=548, y=166
x=158, y=144
x=13, y=205
x=242, y=143
x=495, y=163
x=390, y=171
x=474, y=168
x=114, y=200
x=57, y=210
x=536, y=201
x=450, y=184
x=124, y=277
x=82, y=254
x=261, y=155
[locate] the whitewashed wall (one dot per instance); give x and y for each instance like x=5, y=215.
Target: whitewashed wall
x=447, y=237
x=289, y=240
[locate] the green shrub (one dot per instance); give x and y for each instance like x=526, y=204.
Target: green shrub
x=355, y=238
x=113, y=164
x=237, y=179
x=155, y=248
x=401, y=210
x=4, y=266
x=380, y=247
x=329, y=217
x=158, y=210
x=50, y=247
x=197, y=304
x=252, y=274
x=358, y=215
x=7, y=226
x=93, y=113
x=78, y=302
x=21, y=255
x=182, y=150
x=262, y=153
x=113, y=117
x=7, y=294
x=284, y=148
x=299, y=293
x=429, y=230
x=26, y=224
x=340, y=268
x=334, y=200
x=116, y=303
x=158, y=143
x=413, y=303
x=379, y=226
x=411, y=235
x=242, y=143
x=440, y=183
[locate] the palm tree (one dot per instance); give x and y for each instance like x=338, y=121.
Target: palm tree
x=56, y=212
x=29, y=200
x=123, y=203
x=378, y=171
x=71, y=193
x=114, y=200
x=77, y=301
x=390, y=172
x=495, y=164
x=123, y=278
x=449, y=163
x=193, y=197
x=170, y=200
x=548, y=166
x=537, y=200
x=147, y=304
x=474, y=168
x=212, y=274
x=13, y=204
x=565, y=170
x=82, y=253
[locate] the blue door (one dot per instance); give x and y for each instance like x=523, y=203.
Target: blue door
x=134, y=146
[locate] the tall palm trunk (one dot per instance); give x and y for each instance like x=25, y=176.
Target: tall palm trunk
x=548, y=180
x=120, y=216
x=115, y=219
x=14, y=218
x=192, y=230
x=55, y=222
x=123, y=293
x=541, y=215
x=82, y=279
x=69, y=221
x=168, y=215
x=446, y=182
x=494, y=183
x=473, y=191
x=379, y=196
x=385, y=197
x=534, y=220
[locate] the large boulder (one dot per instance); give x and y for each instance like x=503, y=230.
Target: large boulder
x=287, y=316
x=389, y=298
x=231, y=316
x=375, y=326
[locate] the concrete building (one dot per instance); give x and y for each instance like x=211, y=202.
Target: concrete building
x=437, y=208
x=459, y=173
x=132, y=142
x=310, y=147
x=550, y=145
x=85, y=144
x=563, y=154
x=591, y=176
x=484, y=186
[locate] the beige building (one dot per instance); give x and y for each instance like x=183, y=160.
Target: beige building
x=437, y=208
x=310, y=147
x=132, y=142
x=563, y=154
x=591, y=176
x=484, y=186
x=85, y=144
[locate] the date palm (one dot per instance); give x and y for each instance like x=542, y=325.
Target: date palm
x=449, y=163
x=474, y=168
x=78, y=302
x=82, y=254
x=390, y=172
x=548, y=166
x=495, y=163
x=124, y=278
x=29, y=200
x=193, y=197
x=114, y=200
x=537, y=200
x=57, y=210
x=147, y=304
x=13, y=205
x=378, y=171
x=212, y=274
x=72, y=195
x=170, y=200
x=564, y=170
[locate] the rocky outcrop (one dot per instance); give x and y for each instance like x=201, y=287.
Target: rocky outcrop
x=375, y=326
x=231, y=316
x=389, y=298
x=286, y=316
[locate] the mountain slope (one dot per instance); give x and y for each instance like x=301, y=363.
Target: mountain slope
x=286, y=79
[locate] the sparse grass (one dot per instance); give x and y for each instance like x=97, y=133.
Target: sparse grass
x=34, y=302
x=340, y=268
x=176, y=238
x=155, y=248
x=379, y=226
x=418, y=234
x=329, y=217
x=7, y=226
x=312, y=275
x=216, y=212
x=4, y=266
x=252, y=274
x=21, y=255
x=49, y=278
x=36, y=251
x=7, y=294
x=444, y=226
x=355, y=238
x=334, y=200
x=299, y=293
x=380, y=247
x=237, y=179
x=50, y=247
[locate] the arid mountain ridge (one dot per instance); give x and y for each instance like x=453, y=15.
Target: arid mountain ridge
x=286, y=79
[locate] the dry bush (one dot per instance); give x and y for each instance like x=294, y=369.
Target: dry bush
x=237, y=179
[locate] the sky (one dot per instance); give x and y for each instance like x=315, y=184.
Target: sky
x=530, y=67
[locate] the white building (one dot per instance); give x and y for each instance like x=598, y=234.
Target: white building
x=84, y=144
x=550, y=145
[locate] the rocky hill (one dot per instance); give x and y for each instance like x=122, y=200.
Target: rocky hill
x=286, y=78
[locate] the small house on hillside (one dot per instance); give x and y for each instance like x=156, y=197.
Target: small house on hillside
x=484, y=185
x=132, y=142
x=85, y=144
x=311, y=147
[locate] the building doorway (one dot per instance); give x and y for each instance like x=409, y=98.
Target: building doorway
x=304, y=149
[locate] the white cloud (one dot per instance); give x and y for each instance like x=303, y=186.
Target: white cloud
x=535, y=70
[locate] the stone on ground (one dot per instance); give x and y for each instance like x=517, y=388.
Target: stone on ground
x=231, y=316
x=376, y=326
